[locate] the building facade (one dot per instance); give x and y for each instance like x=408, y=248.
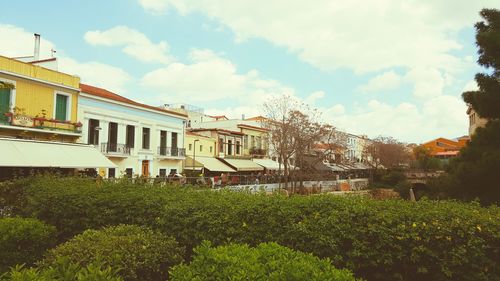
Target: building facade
x=141, y=140
x=475, y=121
x=38, y=122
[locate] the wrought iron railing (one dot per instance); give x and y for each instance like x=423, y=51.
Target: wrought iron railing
x=115, y=148
x=171, y=151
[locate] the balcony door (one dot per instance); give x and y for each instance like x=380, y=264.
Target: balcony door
x=175, y=151
x=112, y=136
x=163, y=142
x=4, y=103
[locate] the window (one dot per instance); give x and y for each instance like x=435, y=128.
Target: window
x=252, y=142
x=111, y=173
x=229, y=147
x=190, y=147
x=221, y=145
x=4, y=103
x=238, y=147
x=145, y=138
x=173, y=171
x=163, y=142
x=112, y=136
x=93, y=132
x=163, y=173
x=245, y=141
x=174, y=140
x=259, y=143
x=201, y=148
x=130, y=140
x=61, y=112
x=210, y=149
x=129, y=172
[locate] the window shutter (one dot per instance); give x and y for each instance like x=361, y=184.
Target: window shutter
x=4, y=102
x=61, y=107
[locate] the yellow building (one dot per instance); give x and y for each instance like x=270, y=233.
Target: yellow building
x=38, y=121
x=255, y=140
x=37, y=103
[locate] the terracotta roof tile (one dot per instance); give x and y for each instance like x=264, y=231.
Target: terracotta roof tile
x=103, y=93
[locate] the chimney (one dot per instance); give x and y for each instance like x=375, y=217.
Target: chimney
x=36, y=55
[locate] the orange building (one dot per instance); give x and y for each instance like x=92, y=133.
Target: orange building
x=445, y=148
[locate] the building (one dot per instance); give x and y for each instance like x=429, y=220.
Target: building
x=475, y=121
x=445, y=148
x=139, y=139
x=38, y=121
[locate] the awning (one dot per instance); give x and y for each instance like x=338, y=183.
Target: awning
x=209, y=163
x=268, y=164
x=191, y=164
x=336, y=168
x=243, y=165
x=27, y=153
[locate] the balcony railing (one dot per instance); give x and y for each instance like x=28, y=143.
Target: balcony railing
x=115, y=148
x=258, y=151
x=23, y=120
x=171, y=151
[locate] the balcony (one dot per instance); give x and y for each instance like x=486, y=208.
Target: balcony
x=115, y=149
x=25, y=122
x=164, y=151
x=258, y=151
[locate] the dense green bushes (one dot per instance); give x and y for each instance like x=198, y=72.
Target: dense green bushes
x=268, y=261
x=377, y=240
x=23, y=241
x=63, y=270
x=138, y=253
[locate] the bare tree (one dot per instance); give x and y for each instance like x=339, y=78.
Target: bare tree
x=387, y=152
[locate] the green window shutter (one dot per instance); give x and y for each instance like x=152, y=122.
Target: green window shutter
x=4, y=102
x=61, y=107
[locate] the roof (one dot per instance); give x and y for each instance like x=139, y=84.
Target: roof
x=256, y=118
x=44, y=60
x=103, y=93
x=198, y=135
x=253, y=127
x=448, y=153
x=217, y=130
x=217, y=117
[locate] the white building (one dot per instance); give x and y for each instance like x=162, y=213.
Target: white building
x=356, y=148
x=140, y=139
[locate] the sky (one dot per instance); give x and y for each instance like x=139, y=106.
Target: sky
x=381, y=67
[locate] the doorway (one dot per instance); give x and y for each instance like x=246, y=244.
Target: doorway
x=145, y=168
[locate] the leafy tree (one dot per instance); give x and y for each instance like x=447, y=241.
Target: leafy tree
x=475, y=173
x=424, y=159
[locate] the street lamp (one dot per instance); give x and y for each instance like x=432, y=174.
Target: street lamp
x=194, y=153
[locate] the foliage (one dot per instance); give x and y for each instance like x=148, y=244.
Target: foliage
x=139, y=253
x=267, y=261
x=23, y=241
x=388, y=152
x=474, y=174
x=377, y=240
x=63, y=270
x=424, y=159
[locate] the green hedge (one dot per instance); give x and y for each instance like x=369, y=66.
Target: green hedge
x=267, y=261
x=63, y=270
x=377, y=240
x=23, y=241
x=138, y=253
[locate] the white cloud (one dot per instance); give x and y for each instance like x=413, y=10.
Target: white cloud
x=428, y=82
x=210, y=77
x=314, y=96
x=136, y=44
x=471, y=86
x=439, y=116
x=16, y=41
x=97, y=74
x=386, y=81
x=359, y=35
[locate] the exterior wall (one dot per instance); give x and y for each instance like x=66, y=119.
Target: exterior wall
x=107, y=111
x=206, y=142
x=442, y=145
x=35, y=94
x=475, y=121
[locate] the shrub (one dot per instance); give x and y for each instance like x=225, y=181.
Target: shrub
x=268, y=261
x=377, y=240
x=139, y=253
x=63, y=270
x=23, y=241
